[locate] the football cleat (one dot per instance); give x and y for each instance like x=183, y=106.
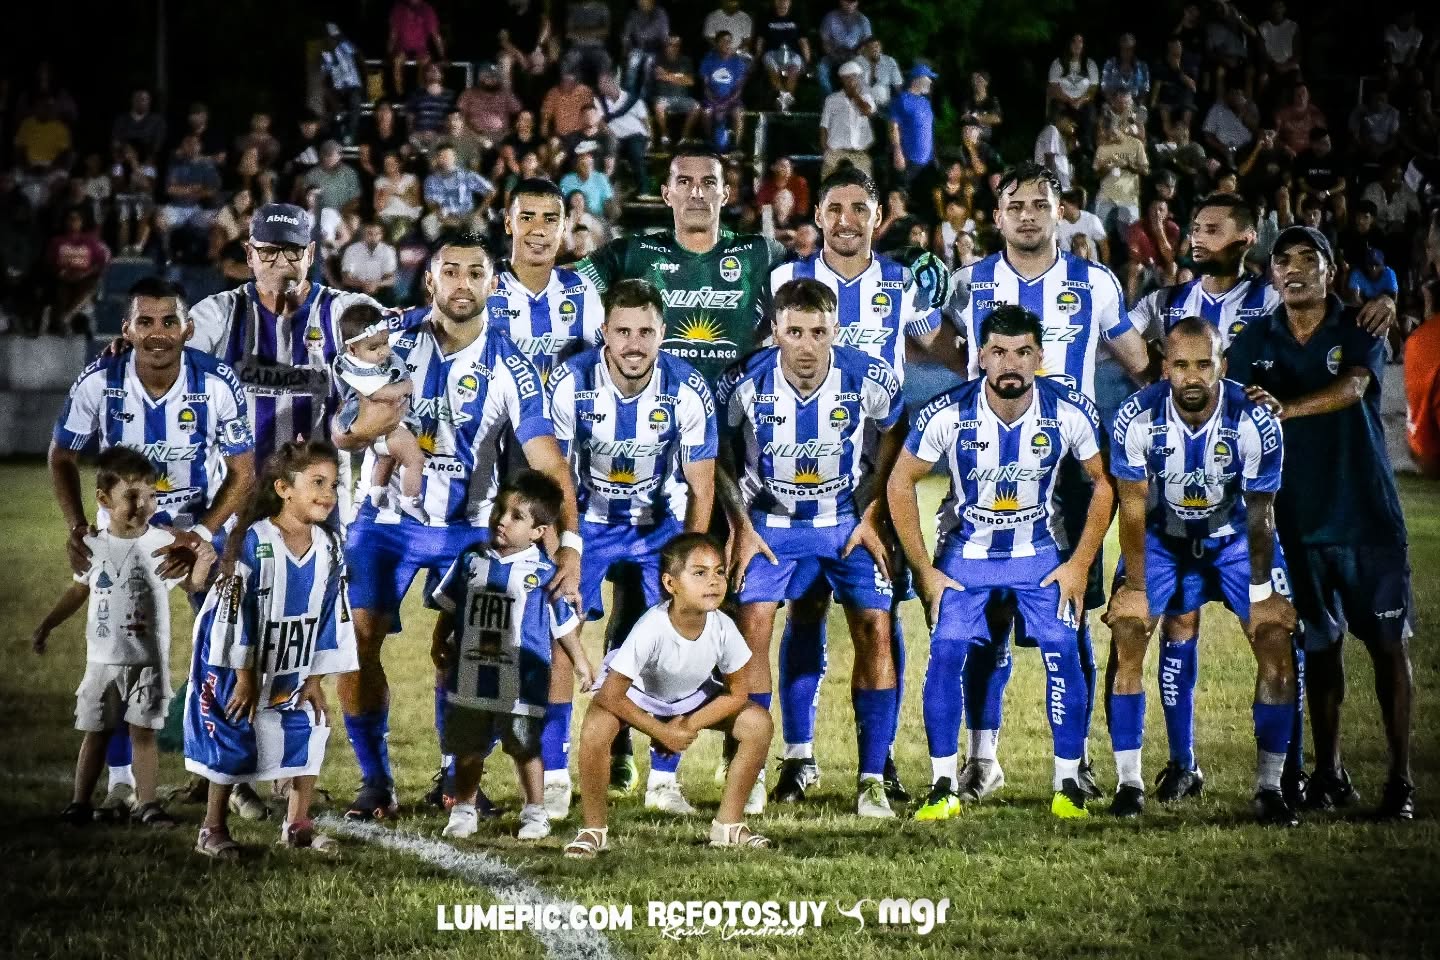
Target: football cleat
x=1398, y=800
x=246, y=803
x=667, y=798
x=442, y=790
x=534, y=823
x=894, y=789
x=1129, y=801
x=1069, y=801
x=624, y=775
x=78, y=814
x=942, y=803
x=1331, y=790
x=796, y=777
x=1087, y=782
x=464, y=821
x=979, y=779
x=871, y=801
x=1176, y=783
x=1271, y=810
x=374, y=802
x=558, y=796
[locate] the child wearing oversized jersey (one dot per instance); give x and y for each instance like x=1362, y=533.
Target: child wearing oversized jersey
x=368, y=369
x=266, y=637
x=681, y=670
x=127, y=632
x=492, y=649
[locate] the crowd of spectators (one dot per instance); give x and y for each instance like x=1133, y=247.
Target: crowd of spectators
x=589, y=95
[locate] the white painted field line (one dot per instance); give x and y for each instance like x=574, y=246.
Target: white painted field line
x=502, y=881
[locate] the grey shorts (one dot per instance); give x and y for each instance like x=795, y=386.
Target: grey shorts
x=677, y=104
x=469, y=731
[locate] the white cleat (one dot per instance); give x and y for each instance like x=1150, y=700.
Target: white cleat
x=872, y=802
x=534, y=822
x=755, y=803
x=464, y=821
x=558, y=795
x=667, y=798
x=979, y=779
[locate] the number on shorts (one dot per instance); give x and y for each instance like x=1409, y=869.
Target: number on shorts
x=1280, y=582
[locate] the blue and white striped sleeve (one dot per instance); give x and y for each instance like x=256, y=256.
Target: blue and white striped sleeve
x=526, y=404
x=1107, y=303
x=933, y=437
x=79, y=420
x=699, y=432
x=884, y=402
x=1130, y=449
x=1262, y=451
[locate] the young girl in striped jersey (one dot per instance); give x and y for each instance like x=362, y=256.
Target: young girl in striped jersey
x=266, y=637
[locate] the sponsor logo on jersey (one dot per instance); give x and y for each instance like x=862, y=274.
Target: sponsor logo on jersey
x=705, y=298
x=567, y=308
x=984, y=285
x=730, y=268
x=532, y=581
x=665, y=266
x=770, y=419
x=891, y=285
x=545, y=345
x=313, y=336
x=263, y=551
x=766, y=397
x=697, y=383
x=974, y=444
x=124, y=416
x=186, y=419
x=1332, y=360
x=236, y=433
x=969, y=424
x=861, y=337
x=196, y=398
x=587, y=395
x=809, y=450
x=526, y=383
x=115, y=393
x=1076, y=285
x=847, y=398
x=507, y=314
x=1009, y=473
x=700, y=330
x=438, y=409
x=629, y=449
x=590, y=416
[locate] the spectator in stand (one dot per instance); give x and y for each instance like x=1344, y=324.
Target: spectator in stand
x=729, y=18
x=1154, y=244
x=337, y=181
x=522, y=140
x=1120, y=112
x=140, y=127
x=1420, y=135
x=1371, y=279
x=344, y=71
x=97, y=188
x=1055, y=143
x=76, y=260
x=739, y=210
x=580, y=242
x=260, y=139
x=133, y=181
x=1075, y=221
x=674, y=86
x=232, y=223
x=1074, y=79
x=1403, y=40
x=599, y=193
x=957, y=187
x=428, y=106
x=805, y=244
x=304, y=152
x=397, y=198
x=783, y=179
x=955, y=221
x=1227, y=41
x=1120, y=164
x=785, y=51
x=1318, y=173
x=1375, y=124
x=190, y=191
x=1354, y=243
x=845, y=130
x=560, y=112
x=966, y=251
x=883, y=78
x=44, y=85
x=369, y=265
x=981, y=108
x=197, y=123
x=451, y=194
x=525, y=40
x=1266, y=171
x=1124, y=73
x=384, y=136
x=897, y=223
x=841, y=31
x=470, y=147
x=1280, y=37
x=628, y=124
x=1190, y=31
x=1230, y=127
x=414, y=31
x=526, y=167
x=592, y=138
x=646, y=28
x=1422, y=369
x=782, y=217
x=489, y=107
x=43, y=145
x=722, y=75
x=912, y=128
x=1296, y=119
x=587, y=32
x=579, y=217
x=1173, y=93
x=1397, y=213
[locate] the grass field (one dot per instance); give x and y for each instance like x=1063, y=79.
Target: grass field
x=1197, y=881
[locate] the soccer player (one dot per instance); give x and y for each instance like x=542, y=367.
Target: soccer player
x=1003, y=438
x=187, y=413
x=881, y=310
x=1197, y=464
x=549, y=312
x=1079, y=304
x=1338, y=512
x=639, y=428
x=796, y=416
x=473, y=387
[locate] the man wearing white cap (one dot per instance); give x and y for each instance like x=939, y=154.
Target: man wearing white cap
x=845, y=131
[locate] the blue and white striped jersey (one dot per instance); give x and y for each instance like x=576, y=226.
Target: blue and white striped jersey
x=1001, y=502
x=877, y=309
x=559, y=321
x=1161, y=309
x=1197, y=477
x=803, y=454
x=626, y=453
x=468, y=404
x=282, y=361
x=1079, y=302
x=504, y=623
x=186, y=434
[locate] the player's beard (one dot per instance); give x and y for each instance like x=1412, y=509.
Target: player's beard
x=1224, y=262
x=1191, y=399
x=461, y=314
x=1009, y=386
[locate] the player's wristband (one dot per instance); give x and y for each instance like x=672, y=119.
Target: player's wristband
x=1260, y=591
x=572, y=540
x=203, y=532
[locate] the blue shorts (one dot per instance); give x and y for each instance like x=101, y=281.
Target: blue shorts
x=1362, y=589
x=1182, y=575
x=611, y=545
x=381, y=559
x=855, y=579
x=962, y=614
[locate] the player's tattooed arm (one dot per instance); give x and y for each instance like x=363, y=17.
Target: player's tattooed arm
x=1130, y=349
x=745, y=542
x=904, y=506
x=1130, y=598
x=872, y=530
x=1266, y=605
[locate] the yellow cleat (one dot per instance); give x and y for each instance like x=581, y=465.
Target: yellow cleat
x=942, y=803
x=1069, y=802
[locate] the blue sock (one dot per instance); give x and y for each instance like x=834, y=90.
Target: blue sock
x=1295, y=759
x=117, y=749
x=1087, y=668
x=555, y=737
x=663, y=761
x=1127, y=720
x=985, y=683
x=802, y=667
x=369, y=734
x=447, y=761
x=874, y=727
x=1179, y=668
x=897, y=651
x=1064, y=697
x=943, y=695
x=1272, y=726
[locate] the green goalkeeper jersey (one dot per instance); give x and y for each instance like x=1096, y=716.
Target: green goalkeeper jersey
x=717, y=304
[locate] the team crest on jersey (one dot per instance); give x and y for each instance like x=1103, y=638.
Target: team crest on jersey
x=567, y=308
x=313, y=336
x=187, y=421
x=839, y=418
x=531, y=581
x=467, y=387
x=730, y=268
x=659, y=418
x=880, y=302
x=1332, y=360
x=1236, y=326
x=1067, y=302
x=1040, y=445
x=1223, y=454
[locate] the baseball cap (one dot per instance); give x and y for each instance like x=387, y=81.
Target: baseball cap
x=1305, y=236
x=922, y=70
x=851, y=68
x=283, y=224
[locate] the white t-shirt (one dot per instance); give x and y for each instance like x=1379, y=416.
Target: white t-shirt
x=1088, y=224
x=1050, y=142
x=1075, y=79
x=845, y=126
x=1279, y=39
x=669, y=667
x=1402, y=43
x=738, y=24
x=129, y=618
x=369, y=266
